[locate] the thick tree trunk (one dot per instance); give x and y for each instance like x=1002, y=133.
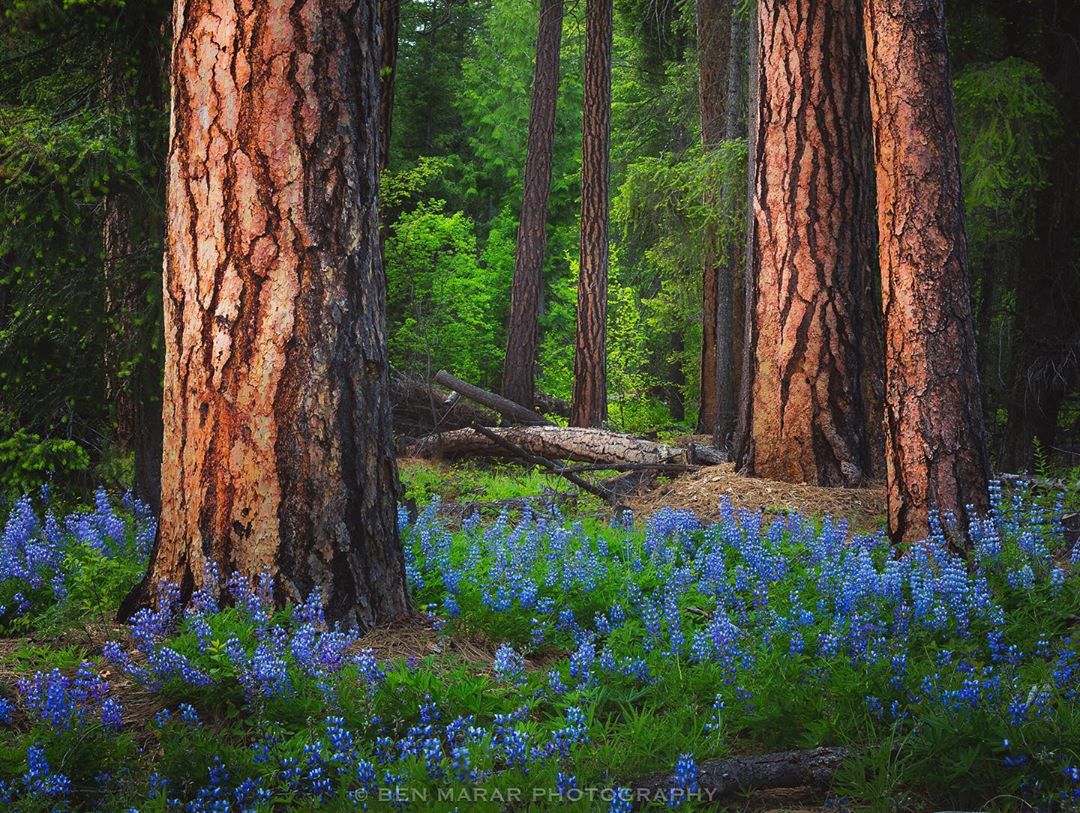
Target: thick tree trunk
x=810, y=328
x=714, y=38
x=730, y=313
x=519, y=367
x=589, y=406
x=278, y=449
x=934, y=426
x=389, y=22
x=552, y=442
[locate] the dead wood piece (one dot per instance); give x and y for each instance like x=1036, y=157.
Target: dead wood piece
x=521, y=454
x=550, y=405
x=515, y=412
x=419, y=409
x=551, y=442
x=659, y=467
x=705, y=455
x=721, y=778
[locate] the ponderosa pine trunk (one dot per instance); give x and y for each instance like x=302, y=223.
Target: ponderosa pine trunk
x=713, y=38
x=278, y=447
x=519, y=367
x=389, y=23
x=935, y=450
x=810, y=326
x=589, y=405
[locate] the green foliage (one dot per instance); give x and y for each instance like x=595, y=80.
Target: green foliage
x=82, y=122
x=442, y=299
x=27, y=461
x=670, y=211
x=1008, y=119
x=495, y=101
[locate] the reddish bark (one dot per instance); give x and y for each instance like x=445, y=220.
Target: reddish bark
x=935, y=449
x=811, y=333
x=519, y=367
x=589, y=405
x=278, y=449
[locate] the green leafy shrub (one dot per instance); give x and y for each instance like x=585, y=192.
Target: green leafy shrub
x=27, y=461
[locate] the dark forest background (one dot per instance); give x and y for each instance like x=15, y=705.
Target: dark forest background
x=83, y=138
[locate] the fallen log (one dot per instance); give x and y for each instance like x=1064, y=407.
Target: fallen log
x=552, y=442
x=706, y=455
x=504, y=406
x=720, y=779
x=420, y=409
x=536, y=460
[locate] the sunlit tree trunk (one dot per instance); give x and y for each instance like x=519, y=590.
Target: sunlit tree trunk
x=934, y=426
x=589, y=406
x=519, y=368
x=811, y=333
x=278, y=449
x=713, y=36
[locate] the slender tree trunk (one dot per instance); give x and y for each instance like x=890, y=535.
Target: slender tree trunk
x=133, y=358
x=730, y=314
x=121, y=305
x=389, y=22
x=749, y=297
x=714, y=37
x=934, y=426
x=811, y=333
x=519, y=368
x=676, y=380
x=589, y=406
x=278, y=447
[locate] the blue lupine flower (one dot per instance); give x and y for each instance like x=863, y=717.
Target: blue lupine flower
x=684, y=780
x=509, y=664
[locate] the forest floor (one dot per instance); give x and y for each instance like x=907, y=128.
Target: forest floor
x=487, y=485
x=558, y=648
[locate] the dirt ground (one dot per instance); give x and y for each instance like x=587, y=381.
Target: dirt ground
x=701, y=492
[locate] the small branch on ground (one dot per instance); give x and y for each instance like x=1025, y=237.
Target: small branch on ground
x=720, y=779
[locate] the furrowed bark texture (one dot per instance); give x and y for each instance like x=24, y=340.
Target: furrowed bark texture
x=389, y=22
x=714, y=52
x=278, y=448
x=934, y=426
x=810, y=329
x=519, y=369
x=589, y=405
